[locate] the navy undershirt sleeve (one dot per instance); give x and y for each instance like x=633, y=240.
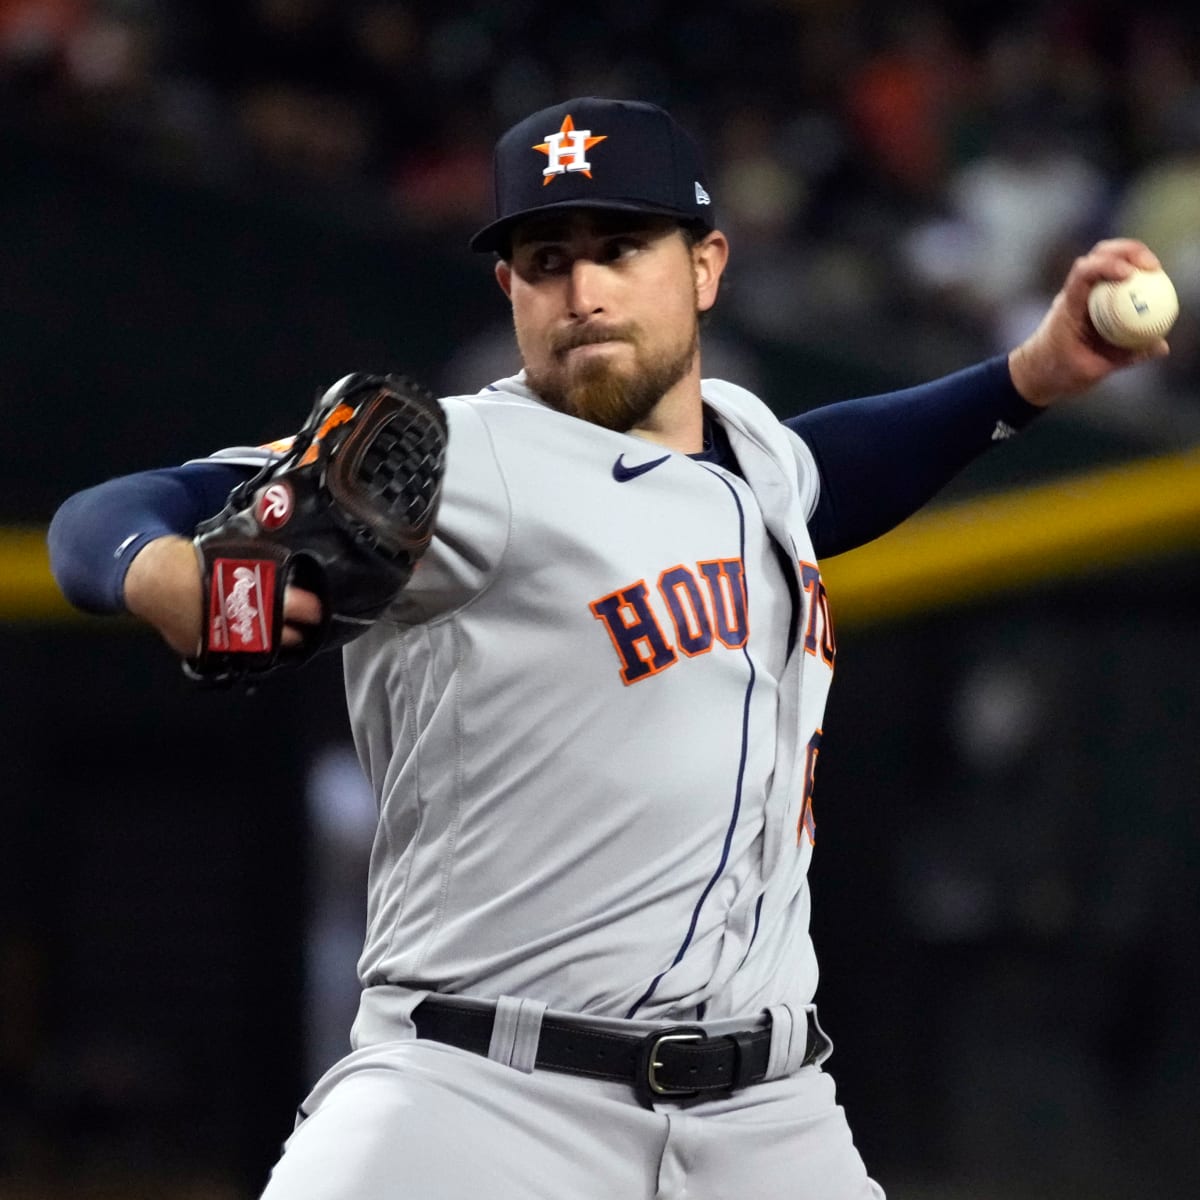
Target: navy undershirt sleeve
x=881, y=458
x=96, y=533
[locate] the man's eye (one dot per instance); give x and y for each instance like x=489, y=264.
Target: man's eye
x=618, y=248
x=548, y=260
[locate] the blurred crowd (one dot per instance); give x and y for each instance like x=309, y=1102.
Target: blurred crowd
x=924, y=171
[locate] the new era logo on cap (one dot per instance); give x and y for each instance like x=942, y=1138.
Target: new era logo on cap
x=643, y=161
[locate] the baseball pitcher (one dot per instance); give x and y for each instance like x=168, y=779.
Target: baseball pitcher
x=587, y=649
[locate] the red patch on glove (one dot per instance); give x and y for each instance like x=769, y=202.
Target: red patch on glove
x=241, y=605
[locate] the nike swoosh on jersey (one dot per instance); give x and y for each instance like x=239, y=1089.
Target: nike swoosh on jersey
x=623, y=474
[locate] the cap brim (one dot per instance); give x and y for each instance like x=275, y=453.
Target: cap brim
x=496, y=235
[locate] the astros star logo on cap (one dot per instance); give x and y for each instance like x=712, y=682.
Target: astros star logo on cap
x=567, y=150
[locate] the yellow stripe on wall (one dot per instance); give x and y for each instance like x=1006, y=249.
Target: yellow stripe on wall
x=943, y=556
x=27, y=589
x=1075, y=525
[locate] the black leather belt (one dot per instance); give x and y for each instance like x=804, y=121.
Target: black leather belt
x=671, y=1063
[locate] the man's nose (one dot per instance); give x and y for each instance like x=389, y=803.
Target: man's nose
x=585, y=291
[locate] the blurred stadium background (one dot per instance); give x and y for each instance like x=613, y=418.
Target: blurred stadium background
x=211, y=211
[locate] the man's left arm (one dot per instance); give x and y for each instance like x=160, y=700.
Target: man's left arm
x=882, y=457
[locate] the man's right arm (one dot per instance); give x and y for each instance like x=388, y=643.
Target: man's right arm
x=125, y=545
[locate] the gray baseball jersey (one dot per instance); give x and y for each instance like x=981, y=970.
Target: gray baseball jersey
x=591, y=750
x=590, y=722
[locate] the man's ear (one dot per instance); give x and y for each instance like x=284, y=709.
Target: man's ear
x=504, y=276
x=709, y=257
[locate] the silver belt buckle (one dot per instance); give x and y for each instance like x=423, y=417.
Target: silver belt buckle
x=652, y=1064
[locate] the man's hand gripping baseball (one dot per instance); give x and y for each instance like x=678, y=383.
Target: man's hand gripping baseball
x=1065, y=355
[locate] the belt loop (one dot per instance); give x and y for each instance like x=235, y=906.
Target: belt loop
x=789, y=1041
x=742, y=1067
x=826, y=1047
x=516, y=1031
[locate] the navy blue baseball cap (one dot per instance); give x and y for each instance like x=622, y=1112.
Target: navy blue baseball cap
x=624, y=155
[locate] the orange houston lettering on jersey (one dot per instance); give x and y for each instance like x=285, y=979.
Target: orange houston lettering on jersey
x=726, y=582
x=818, y=628
x=693, y=624
x=806, y=824
x=637, y=638
x=637, y=633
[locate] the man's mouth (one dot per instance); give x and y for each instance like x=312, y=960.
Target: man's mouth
x=585, y=347
x=583, y=338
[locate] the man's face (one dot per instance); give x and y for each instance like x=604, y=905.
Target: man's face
x=605, y=307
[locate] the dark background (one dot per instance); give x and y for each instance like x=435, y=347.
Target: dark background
x=209, y=214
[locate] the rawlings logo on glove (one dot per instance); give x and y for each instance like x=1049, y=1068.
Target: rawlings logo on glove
x=345, y=513
x=241, y=606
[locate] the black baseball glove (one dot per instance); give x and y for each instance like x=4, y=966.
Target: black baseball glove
x=345, y=513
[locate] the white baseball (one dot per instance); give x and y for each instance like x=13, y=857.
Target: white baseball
x=1134, y=313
